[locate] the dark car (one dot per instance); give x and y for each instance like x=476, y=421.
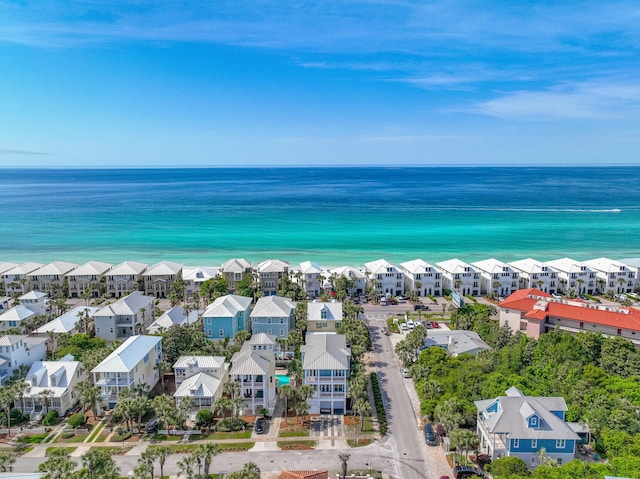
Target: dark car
x=420, y=307
x=463, y=472
x=261, y=426
x=152, y=426
x=430, y=435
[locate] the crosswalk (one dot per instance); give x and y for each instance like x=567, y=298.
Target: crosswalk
x=326, y=425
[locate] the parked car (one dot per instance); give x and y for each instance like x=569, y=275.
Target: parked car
x=405, y=373
x=427, y=324
x=463, y=472
x=400, y=299
x=260, y=426
x=430, y=435
x=383, y=301
x=404, y=326
x=152, y=425
x=420, y=307
x=435, y=325
x=392, y=301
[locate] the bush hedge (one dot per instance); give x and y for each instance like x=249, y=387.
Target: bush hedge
x=76, y=420
x=377, y=398
x=50, y=418
x=229, y=424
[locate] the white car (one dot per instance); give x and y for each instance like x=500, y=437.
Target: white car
x=405, y=373
x=400, y=299
x=411, y=324
x=404, y=326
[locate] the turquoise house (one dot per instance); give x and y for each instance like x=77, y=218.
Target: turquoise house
x=226, y=316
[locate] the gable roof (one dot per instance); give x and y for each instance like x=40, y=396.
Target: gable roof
x=261, y=338
x=247, y=362
x=416, y=266
x=272, y=266
x=90, y=268
x=127, y=306
x=163, y=268
x=379, y=266
x=491, y=266
x=43, y=371
x=227, y=306
x=273, y=307
x=200, y=385
x=455, y=266
x=333, y=311
x=127, y=355
x=198, y=273
x=132, y=268
x=310, y=267
x=523, y=299
x=568, y=265
x=236, y=265
x=349, y=272
x=456, y=342
x=200, y=362
x=6, y=266
x=325, y=351
x=54, y=268
x=67, y=322
x=171, y=317
x=33, y=295
x=17, y=313
x=23, y=269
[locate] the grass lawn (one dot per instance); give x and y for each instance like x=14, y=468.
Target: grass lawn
x=224, y=435
x=95, y=432
x=353, y=430
x=296, y=445
x=164, y=437
x=298, y=433
x=116, y=451
x=364, y=441
x=68, y=450
x=101, y=438
x=187, y=448
x=35, y=439
x=76, y=438
x=22, y=449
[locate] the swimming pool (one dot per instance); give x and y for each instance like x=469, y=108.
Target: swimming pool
x=283, y=379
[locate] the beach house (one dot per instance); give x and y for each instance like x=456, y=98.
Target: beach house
x=520, y=426
x=132, y=363
x=88, y=276
x=324, y=317
x=357, y=278
x=534, y=312
x=50, y=277
x=236, y=270
x=125, y=278
x=226, y=316
x=535, y=274
x=574, y=276
x=126, y=317
x=270, y=272
x=634, y=265
x=308, y=276
x=36, y=301
x=19, y=351
x=385, y=278
x=612, y=275
x=201, y=378
x=253, y=367
x=16, y=280
x=496, y=277
x=194, y=276
x=422, y=278
x=273, y=315
x=58, y=377
x=325, y=362
x=456, y=342
x=177, y=315
x=159, y=277
x=72, y=322
x=460, y=277
x=15, y=317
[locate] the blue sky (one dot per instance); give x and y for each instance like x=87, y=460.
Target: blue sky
x=100, y=83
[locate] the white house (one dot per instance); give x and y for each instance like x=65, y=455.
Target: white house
x=125, y=278
x=497, y=277
x=387, y=278
x=253, y=367
x=358, y=278
x=126, y=317
x=174, y=316
x=68, y=322
x=19, y=351
x=456, y=342
x=14, y=317
x=59, y=377
x=236, y=270
x=612, y=275
x=422, y=277
x=50, y=277
x=460, y=276
x=194, y=276
x=308, y=276
x=324, y=317
x=158, y=278
x=269, y=273
x=36, y=301
x=132, y=363
x=325, y=362
x=201, y=378
x=574, y=275
x=634, y=265
x=535, y=274
x=15, y=279
x=87, y=277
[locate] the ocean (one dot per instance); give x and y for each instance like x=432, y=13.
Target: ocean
x=333, y=216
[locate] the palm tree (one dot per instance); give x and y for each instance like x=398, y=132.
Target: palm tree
x=207, y=451
x=7, y=460
x=100, y=464
x=160, y=453
x=164, y=407
x=344, y=460
x=44, y=397
x=58, y=465
x=223, y=404
x=362, y=407
x=621, y=282
x=287, y=392
x=162, y=367
x=145, y=463
x=90, y=397
x=7, y=396
x=186, y=467
x=231, y=389
x=21, y=389
x=302, y=409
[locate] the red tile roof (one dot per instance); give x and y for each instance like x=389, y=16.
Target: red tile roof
x=521, y=299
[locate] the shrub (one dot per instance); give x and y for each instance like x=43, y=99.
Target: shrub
x=379, y=404
x=230, y=424
x=121, y=437
x=67, y=435
x=204, y=418
x=77, y=420
x=50, y=418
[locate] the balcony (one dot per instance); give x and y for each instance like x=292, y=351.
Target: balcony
x=112, y=382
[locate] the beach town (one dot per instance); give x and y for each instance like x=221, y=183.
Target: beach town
x=246, y=360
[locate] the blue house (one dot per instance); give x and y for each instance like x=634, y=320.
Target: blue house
x=226, y=316
x=273, y=315
x=519, y=425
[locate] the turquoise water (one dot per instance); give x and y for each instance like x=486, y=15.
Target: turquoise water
x=334, y=216
x=283, y=379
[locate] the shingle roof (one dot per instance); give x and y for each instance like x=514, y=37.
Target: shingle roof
x=273, y=307
x=227, y=306
x=67, y=322
x=200, y=385
x=128, y=354
x=325, y=351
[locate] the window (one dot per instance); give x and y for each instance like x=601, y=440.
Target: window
x=146, y=357
x=221, y=333
x=516, y=443
x=560, y=443
x=534, y=443
x=282, y=332
x=533, y=421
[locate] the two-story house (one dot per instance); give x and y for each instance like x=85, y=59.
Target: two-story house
x=201, y=378
x=194, y=276
x=386, y=278
x=159, y=277
x=254, y=368
x=519, y=425
x=325, y=363
x=236, y=270
x=422, y=278
x=309, y=276
x=273, y=315
x=18, y=351
x=612, y=275
x=177, y=315
x=270, y=272
x=497, y=277
x=460, y=276
x=535, y=274
x=16, y=279
x=72, y=322
x=126, y=317
x=59, y=377
x=226, y=316
x=36, y=301
x=125, y=278
x=133, y=362
x=87, y=276
x=574, y=275
x=50, y=277
x=324, y=317
x=15, y=317
x=357, y=278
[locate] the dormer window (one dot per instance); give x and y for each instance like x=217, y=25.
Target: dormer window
x=323, y=314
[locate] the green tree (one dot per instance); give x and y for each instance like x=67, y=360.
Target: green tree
x=160, y=453
x=344, y=460
x=90, y=397
x=249, y=471
x=207, y=452
x=58, y=464
x=7, y=460
x=509, y=466
x=362, y=407
x=100, y=465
